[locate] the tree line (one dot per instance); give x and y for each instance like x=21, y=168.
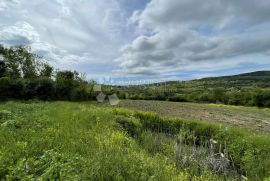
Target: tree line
x=245, y=96
x=24, y=75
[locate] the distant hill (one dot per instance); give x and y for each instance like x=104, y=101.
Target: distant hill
x=253, y=79
x=252, y=89
x=258, y=79
x=252, y=76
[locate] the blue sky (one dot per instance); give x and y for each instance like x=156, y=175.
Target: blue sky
x=142, y=40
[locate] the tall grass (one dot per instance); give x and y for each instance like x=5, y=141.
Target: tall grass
x=71, y=141
x=76, y=141
x=248, y=152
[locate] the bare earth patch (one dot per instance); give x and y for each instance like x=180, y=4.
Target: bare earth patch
x=256, y=119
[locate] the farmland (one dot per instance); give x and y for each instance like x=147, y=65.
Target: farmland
x=80, y=141
x=253, y=118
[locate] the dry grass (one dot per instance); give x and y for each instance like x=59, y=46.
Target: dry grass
x=252, y=118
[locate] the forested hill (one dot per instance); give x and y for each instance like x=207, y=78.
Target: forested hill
x=258, y=79
x=244, y=89
x=250, y=76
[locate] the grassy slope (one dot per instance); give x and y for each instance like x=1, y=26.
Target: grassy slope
x=252, y=118
x=72, y=141
x=75, y=141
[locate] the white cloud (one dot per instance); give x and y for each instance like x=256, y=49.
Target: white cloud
x=162, y=39
x=21, y=32
x=67, y=32
x=178, y=34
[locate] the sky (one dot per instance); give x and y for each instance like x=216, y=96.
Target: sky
x=142, y=40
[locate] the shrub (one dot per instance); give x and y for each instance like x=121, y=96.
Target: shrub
x=177, y=98
x=45, y=88
x=4, y=87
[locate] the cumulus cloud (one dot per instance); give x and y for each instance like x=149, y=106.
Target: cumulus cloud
x=19, y=33
x=175, y=34
x=70, y=33
x=147, y=37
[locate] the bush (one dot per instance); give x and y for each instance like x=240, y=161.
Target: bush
x=78, y=94
x=177, y=98
x=45, y=88
x=262, y=98
x=16, y=89
x=4, y=87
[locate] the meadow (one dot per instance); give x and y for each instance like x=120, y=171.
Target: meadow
x=82, y=141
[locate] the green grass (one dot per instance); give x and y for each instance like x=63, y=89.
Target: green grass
x=249, y=152
x=252, y=118
x=79, y=141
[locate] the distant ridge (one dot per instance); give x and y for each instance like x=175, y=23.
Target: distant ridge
x=257, y=79
x=249, y=75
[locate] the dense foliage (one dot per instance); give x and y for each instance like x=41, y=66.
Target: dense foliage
x=24, y=75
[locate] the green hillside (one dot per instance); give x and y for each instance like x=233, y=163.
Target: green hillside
x=251, y=89
x=260, y=79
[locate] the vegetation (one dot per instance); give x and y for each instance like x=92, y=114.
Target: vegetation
x=252, y=118
x=248, y=153
x=71, y=141
x=24, y=75
x=78, y=141
x=250, y=89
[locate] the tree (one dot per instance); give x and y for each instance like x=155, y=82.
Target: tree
x=12, y=63
x=3, y=68
x=27, y=61
x=64, y=84
x=45, y=88
x=65, y=75
x=4, y=87
x=219, y=95
x=262, y=98
x=46, y=70
x=23, y=75
x=20, y=62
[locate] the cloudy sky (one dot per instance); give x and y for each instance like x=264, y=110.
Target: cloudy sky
x=142, y=39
